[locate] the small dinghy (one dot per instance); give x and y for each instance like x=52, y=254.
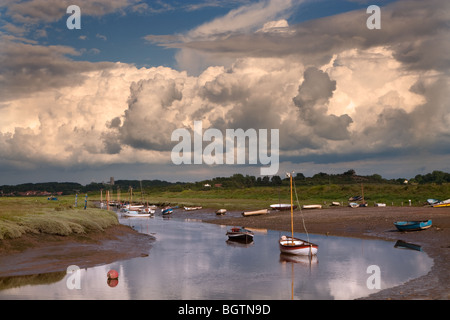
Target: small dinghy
x=413, y=225
x=240, y=234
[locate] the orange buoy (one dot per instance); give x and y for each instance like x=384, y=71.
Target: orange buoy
x=113, y=275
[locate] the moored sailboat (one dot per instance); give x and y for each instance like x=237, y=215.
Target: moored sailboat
x=292, y=245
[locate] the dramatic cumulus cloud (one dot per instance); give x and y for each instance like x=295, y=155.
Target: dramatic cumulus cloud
x=312, y=99
x=336, y=90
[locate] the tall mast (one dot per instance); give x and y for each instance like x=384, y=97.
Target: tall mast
x=292, y=210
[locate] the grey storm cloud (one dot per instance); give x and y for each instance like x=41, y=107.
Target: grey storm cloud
x=312, y=99
x=27, y=68
x=149, y=104
x=417, y=31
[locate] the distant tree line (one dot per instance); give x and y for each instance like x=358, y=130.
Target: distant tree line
x=438, y=177
x=235, y=181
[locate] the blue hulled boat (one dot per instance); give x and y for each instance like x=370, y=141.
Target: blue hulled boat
x=413, y=225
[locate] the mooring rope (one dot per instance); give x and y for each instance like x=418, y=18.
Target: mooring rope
x=301, y=212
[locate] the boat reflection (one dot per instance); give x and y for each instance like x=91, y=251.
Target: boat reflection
x=305, y=260
x=407, y=245
x=240, y=243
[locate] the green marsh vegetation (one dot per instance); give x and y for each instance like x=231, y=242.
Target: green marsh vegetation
x=37, y=215
x=262, y=197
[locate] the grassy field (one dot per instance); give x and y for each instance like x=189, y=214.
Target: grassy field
x=20, y=215
x=262, y=197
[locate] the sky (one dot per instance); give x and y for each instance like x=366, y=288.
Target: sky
x=104, y=100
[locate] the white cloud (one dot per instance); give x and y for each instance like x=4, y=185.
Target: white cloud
x=243, y=19
x=337, y=95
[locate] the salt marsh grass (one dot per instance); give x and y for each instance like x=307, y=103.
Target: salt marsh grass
x=20, y=215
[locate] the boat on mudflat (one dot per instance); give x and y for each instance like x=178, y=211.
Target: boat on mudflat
x=335, y=203
x=166, y=211
x=192, y=208
x=312, y=206
x=221, y=211
x=379, y=204
x=255, y=213
x=441, y=204
x=353, y=205
x=282, y=206
x=413, y=225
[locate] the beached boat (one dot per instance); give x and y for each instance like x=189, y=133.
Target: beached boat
x=255, y=213
x=413, y=225
x=353, y=205
x=335, y=203
x=147, y=210
x=221, y=211
x=192, y=208
x=441, y=205
x=292, y=245
x=166, y=211
x=379, y=204
x=240, y=234
x=312, y=206
x=433, y=201
x=364, y=204
x=281, y=206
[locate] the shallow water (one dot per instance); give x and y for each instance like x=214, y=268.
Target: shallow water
x=194, y=260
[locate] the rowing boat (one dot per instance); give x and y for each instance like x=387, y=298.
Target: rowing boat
x=255, y=213
x=240, y=234
x=281, y=206
x=413, y=225
x=312, y=206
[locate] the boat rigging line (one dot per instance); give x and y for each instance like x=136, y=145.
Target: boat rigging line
x=301, y=212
